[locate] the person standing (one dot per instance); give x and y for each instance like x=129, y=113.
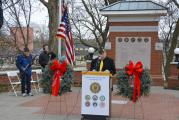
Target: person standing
x=103, y=63
x=23, y=63
x=44, y=56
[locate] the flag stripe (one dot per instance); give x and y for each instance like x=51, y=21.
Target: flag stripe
x=64, y=32
x=68, y=49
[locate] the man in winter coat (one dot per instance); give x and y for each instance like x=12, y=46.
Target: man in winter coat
x=103, y=63
x=44, y=56
x=23, y=63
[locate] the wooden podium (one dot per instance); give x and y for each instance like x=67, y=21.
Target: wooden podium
x=96, y=95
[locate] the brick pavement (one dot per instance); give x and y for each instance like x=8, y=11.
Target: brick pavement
x=160, y=105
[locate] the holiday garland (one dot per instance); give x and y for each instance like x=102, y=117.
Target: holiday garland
x=133, y=81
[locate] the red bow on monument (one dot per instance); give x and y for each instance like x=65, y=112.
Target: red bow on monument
x=135, y=70
x=59, y=70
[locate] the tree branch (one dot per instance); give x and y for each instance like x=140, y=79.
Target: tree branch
x=176, y=3
x=45, y=3
x=11, y=4
x=90, y=14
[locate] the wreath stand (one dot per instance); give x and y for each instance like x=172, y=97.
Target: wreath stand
x=134, y=117
x=133, y=83
x=48, y=102
x=61, y=100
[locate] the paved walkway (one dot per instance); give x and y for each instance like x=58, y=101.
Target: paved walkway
x=160, y=105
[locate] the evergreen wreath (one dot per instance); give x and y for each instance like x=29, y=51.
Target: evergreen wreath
x=125, y=83
x=46, y=81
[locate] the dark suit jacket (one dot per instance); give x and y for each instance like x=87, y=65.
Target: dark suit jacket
x=1, y=14
x=108, y=64
x=44, y=59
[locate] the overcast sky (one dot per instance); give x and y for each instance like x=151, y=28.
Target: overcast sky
x=40, y=16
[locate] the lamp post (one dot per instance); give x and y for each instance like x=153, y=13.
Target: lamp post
x=91, y=52
x=176, y=51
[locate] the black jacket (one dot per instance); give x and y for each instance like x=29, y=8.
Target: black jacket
x=1, y=14
x=108, y=64
x=43, y=59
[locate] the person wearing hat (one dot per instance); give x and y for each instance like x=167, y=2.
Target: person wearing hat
x=23, y=63
x=103, y=63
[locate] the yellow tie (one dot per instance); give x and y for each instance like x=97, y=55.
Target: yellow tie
x=101, y=65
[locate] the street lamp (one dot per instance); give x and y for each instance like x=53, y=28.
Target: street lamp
x=176, y=51
x=91, y=52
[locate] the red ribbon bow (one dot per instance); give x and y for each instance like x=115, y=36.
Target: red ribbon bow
x=59, y=70
x=135, y=70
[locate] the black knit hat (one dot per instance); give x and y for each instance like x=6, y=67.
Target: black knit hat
x=52, y=55
x=26, y=49
x=101, y=51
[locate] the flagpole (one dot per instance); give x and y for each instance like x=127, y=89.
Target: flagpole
x=59, y=39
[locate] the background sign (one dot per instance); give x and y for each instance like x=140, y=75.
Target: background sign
x=95, y=95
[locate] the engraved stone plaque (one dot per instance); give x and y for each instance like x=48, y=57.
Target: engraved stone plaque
x=133, y=48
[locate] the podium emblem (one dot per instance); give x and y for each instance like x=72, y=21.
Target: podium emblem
x=95, y=104
x=95, y=97
x=87, y=104
x=102, y=98
x=95, y=87
x=102, y=104
x=87, y=97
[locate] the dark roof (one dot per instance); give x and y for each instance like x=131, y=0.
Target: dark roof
x=133, y=6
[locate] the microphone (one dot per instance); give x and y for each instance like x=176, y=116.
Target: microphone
x=98, y=63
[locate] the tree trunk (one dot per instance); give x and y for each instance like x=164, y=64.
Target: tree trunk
x=53, y=23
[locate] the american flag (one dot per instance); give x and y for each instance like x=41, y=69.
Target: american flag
x=64, y=32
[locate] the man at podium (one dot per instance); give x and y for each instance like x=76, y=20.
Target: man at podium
x=103, y=63
x=99, y=82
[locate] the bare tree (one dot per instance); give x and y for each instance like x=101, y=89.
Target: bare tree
x=53, y=11
x=19, y=17
x=85, y=17
x=89, y=23
x=171, y=36
x=167, y=26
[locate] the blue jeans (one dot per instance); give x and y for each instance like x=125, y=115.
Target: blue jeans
x=25, y=83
